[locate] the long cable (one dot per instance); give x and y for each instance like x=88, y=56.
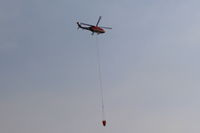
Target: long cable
x=100, y=77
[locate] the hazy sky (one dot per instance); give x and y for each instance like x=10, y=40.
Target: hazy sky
x=150, y=66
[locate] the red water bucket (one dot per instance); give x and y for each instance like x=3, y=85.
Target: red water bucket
x=104, y=122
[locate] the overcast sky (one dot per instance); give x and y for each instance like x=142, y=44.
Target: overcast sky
x=149, y=61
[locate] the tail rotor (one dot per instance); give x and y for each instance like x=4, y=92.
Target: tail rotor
x=78, y=25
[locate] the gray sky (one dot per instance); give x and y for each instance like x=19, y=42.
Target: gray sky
x=150, y=66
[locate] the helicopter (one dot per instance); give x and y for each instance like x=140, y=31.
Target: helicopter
x=93, y=28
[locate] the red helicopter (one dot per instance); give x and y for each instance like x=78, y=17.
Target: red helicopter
x=94, y=29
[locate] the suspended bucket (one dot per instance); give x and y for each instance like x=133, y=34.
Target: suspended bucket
x=104, y=123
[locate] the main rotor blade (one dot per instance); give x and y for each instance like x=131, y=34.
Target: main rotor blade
x=98, y=21
x=105, y=27
x=86, y=24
